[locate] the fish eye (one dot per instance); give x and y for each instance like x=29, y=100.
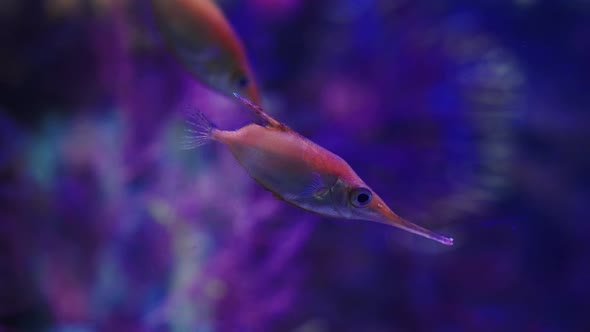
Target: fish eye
x=243, y=82
x=360, y=197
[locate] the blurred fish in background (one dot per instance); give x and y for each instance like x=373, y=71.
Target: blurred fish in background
x=471, y=116
x=204, y=41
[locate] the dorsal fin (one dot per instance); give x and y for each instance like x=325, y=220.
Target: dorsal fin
x=259, y=113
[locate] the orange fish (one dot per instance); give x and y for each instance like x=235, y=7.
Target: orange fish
x=203, y=40
x=299, y=171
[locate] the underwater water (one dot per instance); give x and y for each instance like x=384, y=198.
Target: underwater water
x=469, y=118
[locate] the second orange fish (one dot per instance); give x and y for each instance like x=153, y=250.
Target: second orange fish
x=204, y=41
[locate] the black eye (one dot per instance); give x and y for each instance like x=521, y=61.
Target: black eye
x=243, y=82
x=361, y=197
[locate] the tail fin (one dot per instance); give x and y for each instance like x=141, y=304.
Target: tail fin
x=198, y=130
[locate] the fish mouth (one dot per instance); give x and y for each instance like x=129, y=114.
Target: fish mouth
x=386, y=216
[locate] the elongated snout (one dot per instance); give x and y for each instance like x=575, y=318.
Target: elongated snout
x=252, y=91
x=383, y=214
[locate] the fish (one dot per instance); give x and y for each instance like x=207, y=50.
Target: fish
x=298, y=171
x=205, y=43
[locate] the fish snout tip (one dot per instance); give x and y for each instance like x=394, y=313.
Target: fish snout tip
x=243, y=99
x=449, y=241
x=249, y=102
x=394, y=220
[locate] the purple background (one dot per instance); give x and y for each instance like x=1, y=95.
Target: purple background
x=467, y=117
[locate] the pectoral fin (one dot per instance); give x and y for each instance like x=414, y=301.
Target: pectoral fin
x=316, y=189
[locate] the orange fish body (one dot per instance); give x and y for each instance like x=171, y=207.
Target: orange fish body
x=203, y=40
x=301, y=172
